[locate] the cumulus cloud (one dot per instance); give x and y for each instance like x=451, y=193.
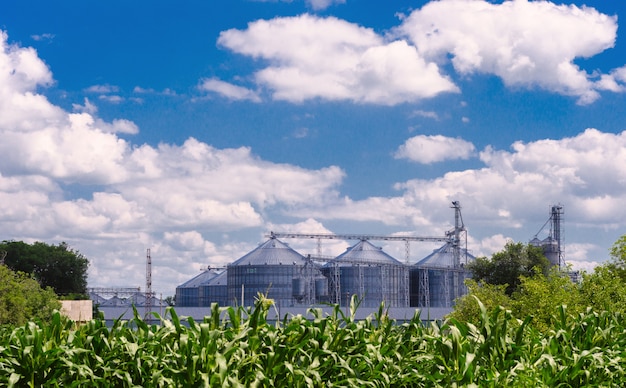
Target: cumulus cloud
x=43, y=37
x=103, y=89
x=228, y=90
x=425, y=114
x=319, y=5
x=308, y=57
x=311, y=57
x=524, y=43
x=431, y=149
x=509, y=198
x=129, y=197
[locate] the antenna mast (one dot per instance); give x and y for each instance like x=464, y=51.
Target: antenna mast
x=148, y=303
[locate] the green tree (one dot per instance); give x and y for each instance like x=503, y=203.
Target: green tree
x=540, y=296
x=466, y=308
x=22, y=298
x=617, y=264
x=506, y=267
x=604, y=289
x=55, y=266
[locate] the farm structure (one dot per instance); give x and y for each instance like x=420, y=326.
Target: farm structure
x=292, y=279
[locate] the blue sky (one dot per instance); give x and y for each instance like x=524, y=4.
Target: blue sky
x=195, y=129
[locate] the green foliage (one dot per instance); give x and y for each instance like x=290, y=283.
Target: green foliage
x=467, y=308
x=22, y=299
x=617, y=264
x=604, y=289
x=506, y=267
x=237, y=347
x=56, y=266
x=540, y=296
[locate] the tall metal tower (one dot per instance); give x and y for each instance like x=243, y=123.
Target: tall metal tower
x=455, y=234
x=148, y=304
x=555, y=229
x=552, y=245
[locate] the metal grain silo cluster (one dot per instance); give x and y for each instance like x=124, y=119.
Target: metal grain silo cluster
x=293, y=280
x=189, y=293
x=364, y=270
x=274, y=269
x=369, y=273
x=439, y=279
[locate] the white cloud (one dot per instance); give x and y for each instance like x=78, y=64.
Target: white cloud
x=425, y=114
x=88, y=107
x=228, y=90
x=328, y=58
x=172, y=196
x=319, y=5
x=118, y=126
x=509, y=198
x=140, y=90
x=310, y=246
x=133, y=197
x=114, y=99
x=524, y=43
x=431, y=149
x=103, y=89
x=43, y=37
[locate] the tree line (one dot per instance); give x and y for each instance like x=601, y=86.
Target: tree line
x=35, y=276
x=521, y=280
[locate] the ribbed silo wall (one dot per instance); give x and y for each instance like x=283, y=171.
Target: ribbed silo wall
x=372, y=284
x=274, y=280
x=214, y=294
x=187, y=297
x=551, y=252
x=437, y=287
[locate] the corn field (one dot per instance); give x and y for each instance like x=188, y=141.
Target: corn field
x=238, y=347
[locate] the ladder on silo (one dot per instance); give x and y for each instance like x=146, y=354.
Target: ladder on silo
x=424, y=288
x=446, y=289
x=335, y=287
x=384, y=286
x=361, y=281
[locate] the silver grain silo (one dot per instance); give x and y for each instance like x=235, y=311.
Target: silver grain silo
x=188, y=293
x=273, y=268
x=215, y=291
x=439, y=279
x=551, y=249
x=369, y=273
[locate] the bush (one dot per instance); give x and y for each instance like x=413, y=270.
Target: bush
x=22, y=299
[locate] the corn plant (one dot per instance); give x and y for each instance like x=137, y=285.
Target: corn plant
x=239, y=347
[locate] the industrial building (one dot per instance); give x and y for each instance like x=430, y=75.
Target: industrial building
x=551, y=245
x=436, y=280
x=369, y=273
x=274, y=269
x=365, y=270
x=189, y=293
x=298, y=281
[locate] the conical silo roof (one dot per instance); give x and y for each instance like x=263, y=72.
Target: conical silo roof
x=364, y=252
x=219, y=280
x=199, y=280
x=271, y=252
x=443, y=257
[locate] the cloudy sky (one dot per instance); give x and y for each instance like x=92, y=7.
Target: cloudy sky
x=194, y=129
